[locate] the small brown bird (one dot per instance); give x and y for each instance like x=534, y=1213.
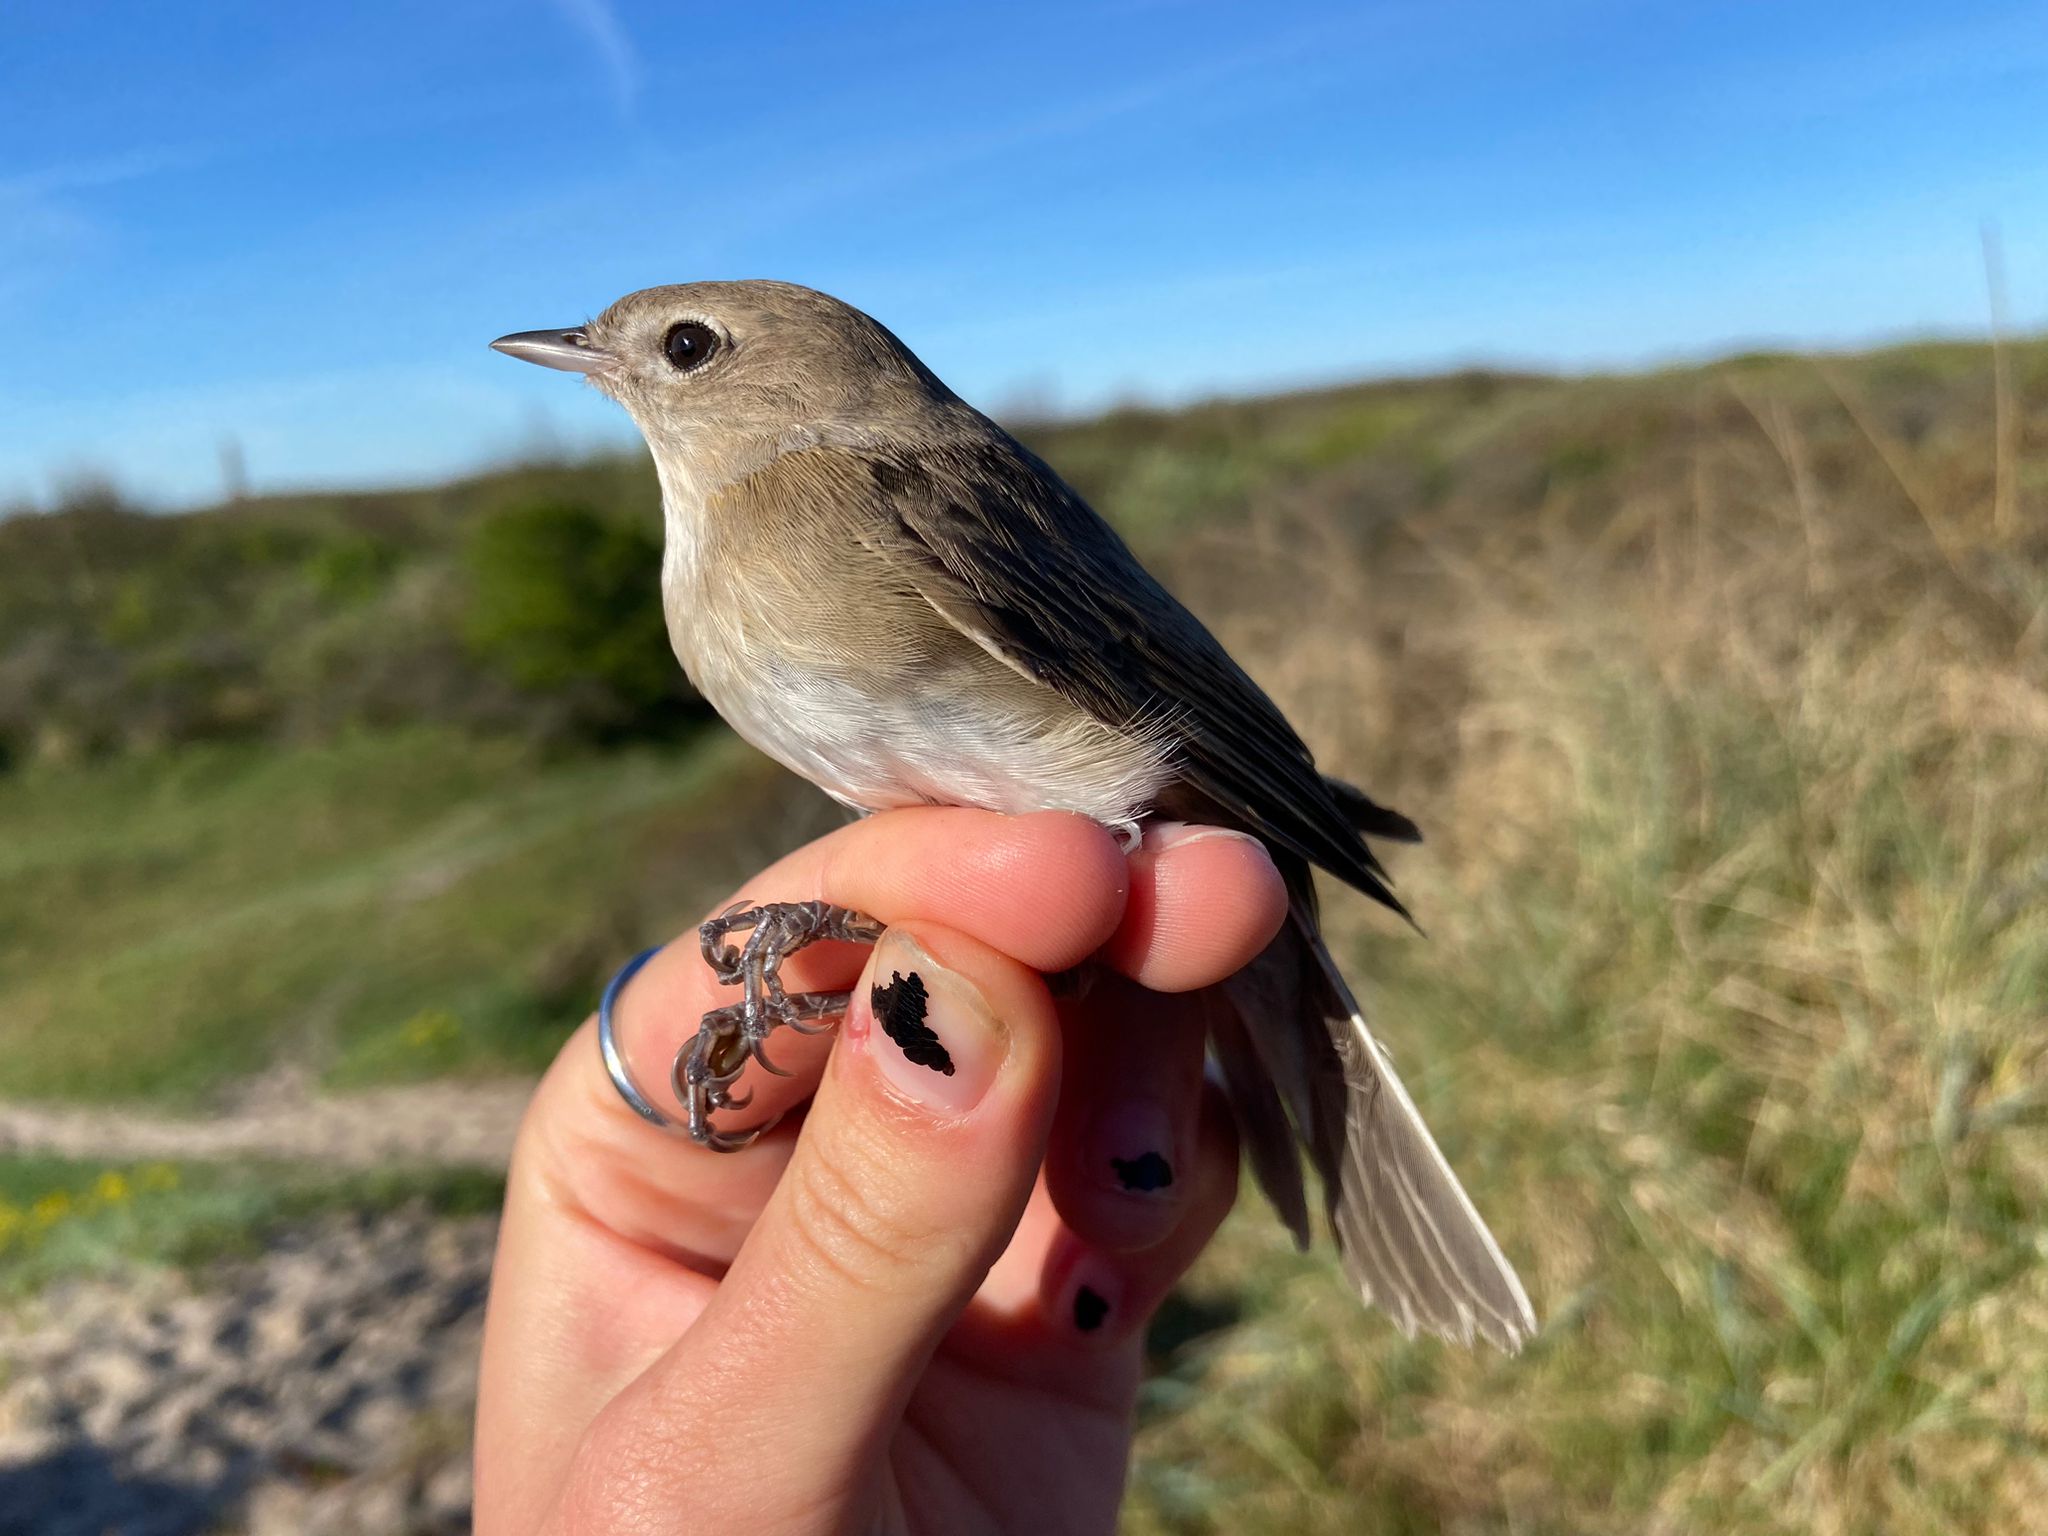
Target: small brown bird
x=882, y=589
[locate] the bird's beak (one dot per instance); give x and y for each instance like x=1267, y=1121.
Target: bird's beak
x=569, y=351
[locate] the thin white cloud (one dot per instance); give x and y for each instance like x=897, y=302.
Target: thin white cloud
x=597, y=23
x=865, y=169
x=88, y=175
x=46, y=223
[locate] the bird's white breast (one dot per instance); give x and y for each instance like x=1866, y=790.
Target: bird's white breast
x=874, y=738
x=941, y=747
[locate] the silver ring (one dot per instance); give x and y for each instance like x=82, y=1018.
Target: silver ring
x=615, y=1060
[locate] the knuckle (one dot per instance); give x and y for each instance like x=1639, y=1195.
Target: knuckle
x=603, y=1492
x=643, y=1447
x=651, y=1469
x=856, y=1231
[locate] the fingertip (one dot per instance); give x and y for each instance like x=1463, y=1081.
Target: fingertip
x=1129, y=1114
x=941, y=1024
x=1048, y=888
x=1094, y=883
x=1203, y=902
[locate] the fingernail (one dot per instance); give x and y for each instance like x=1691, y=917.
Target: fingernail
x=1130, y=1148
x=1162, y=835
x=1090, y=1304
x=933, y=1037
x=1091, y=1309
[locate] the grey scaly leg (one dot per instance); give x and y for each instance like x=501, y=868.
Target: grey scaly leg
x=707, y=1067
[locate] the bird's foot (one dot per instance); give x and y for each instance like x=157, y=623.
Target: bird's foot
x=711, y=1063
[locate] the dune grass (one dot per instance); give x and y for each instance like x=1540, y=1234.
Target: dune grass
x=1733, y=749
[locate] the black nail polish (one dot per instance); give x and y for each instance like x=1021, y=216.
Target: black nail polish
x=1145, y=1174
x=1089, y=1310
x=900, y=1007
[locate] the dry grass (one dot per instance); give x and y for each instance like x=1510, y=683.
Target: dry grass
x=1724, y=699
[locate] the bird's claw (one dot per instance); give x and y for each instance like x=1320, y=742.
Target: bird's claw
x=712, y=1060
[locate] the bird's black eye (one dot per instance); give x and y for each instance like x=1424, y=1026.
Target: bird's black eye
x=690, y=345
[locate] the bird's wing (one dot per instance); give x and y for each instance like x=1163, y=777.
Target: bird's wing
x=1410, y=1236
x=1006, y=552
x=1011, y=556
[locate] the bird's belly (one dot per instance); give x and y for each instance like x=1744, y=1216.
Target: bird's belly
x=1013, y=750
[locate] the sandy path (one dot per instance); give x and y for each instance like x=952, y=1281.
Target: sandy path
x=451, y=1123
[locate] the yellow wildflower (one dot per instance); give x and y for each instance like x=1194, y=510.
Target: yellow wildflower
x=430, y=1027
x=111, y=1188
x=50, y=1209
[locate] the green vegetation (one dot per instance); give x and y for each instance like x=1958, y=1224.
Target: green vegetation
x=508, y=604
x=395, y=905
x=1721, y=693
x=61, y=1219
x=560, y=604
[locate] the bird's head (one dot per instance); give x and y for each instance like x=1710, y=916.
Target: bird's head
x=715, y=373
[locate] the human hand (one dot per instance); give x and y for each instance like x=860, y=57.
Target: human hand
x=919, y=1307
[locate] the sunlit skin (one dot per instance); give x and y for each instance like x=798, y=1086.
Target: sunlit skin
x=865, y=1321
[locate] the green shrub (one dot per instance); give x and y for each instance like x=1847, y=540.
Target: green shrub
x=566, y=603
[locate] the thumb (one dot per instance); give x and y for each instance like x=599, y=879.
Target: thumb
x=913, y=1168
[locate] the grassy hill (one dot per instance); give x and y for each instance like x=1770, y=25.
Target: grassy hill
x=1721, y=693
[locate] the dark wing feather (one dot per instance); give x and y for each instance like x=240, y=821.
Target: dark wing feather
x=1369, y=816
x=1002, y=547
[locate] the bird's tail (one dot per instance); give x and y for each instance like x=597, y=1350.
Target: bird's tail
x=1409, y=1235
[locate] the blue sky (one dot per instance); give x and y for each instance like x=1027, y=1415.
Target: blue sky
x=296, y=227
